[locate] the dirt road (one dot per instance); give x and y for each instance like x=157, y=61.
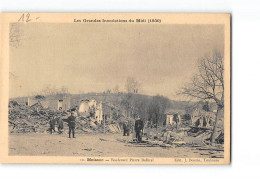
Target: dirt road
x=88, y=145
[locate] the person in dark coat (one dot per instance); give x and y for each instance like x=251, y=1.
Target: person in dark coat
x=60, y=125
x=126, y=128
x=52, y=124
x=72, y=124
x=139, y=125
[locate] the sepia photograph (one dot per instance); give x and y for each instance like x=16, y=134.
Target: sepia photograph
x=119, y=88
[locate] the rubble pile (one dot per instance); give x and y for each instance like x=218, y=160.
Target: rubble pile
x=191, y=138
x=23, y=119
x=87, y=125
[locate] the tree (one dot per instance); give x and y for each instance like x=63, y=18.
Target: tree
x=135, y=104
x=157, y=108
x=116, y=89
x=115, y=116
x=126, y=103
x=52, y=90
x=140, y=105
x=128, y=99
x=63, y=90
x=208, y=84
x=132, y=85
x=39, y=97
x=205, y=107
x=49, y=90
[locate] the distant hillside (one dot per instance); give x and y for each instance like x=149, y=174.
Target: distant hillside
x=113, y=99
x=182, y=105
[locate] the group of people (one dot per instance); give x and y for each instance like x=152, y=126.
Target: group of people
x=71, y=123
x=138, y=128
x=53, y=122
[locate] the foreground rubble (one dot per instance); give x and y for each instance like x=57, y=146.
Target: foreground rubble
x=196, y=139
x=25, y=120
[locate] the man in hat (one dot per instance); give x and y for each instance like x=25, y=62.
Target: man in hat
x=139, y=125
x=72, y=124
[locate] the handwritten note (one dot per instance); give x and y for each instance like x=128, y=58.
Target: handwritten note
x=27, y=18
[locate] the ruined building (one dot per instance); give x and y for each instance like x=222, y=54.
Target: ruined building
x=92, y=109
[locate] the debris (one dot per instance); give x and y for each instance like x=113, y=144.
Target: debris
x=146, y=143
x=210, y=148
x=88, y=149
x=196, y=131
x=220, y=138
x=25, y=119
x=102, y=139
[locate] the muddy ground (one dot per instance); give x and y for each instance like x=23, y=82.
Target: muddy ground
x=102, y=145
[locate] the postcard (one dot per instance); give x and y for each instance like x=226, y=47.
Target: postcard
x=115, y=88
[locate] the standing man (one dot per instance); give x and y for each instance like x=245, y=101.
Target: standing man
x=139, y=125
x=126, y=128
x=72, y=124
x=52, y=123
x=60, y=125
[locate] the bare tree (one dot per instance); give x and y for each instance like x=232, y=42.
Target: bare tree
x=132, y=86
x=208, y=84
x=128, y=99
x=156, y=110
x=51, y=91
x=116, y=89
x=64, y=90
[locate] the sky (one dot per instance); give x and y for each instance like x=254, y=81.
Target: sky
x=95, y=57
